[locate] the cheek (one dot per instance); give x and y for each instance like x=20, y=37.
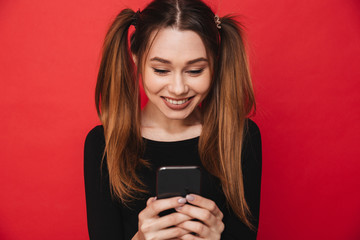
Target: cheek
x=152, y=84
x=203, y=85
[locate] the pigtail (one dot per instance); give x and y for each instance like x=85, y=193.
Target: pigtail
x=234, y=103
x=118, y=107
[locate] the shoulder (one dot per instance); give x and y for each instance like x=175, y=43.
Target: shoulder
x=95, y=136
x=252, y=147
x=251, y=129
x=94, y=144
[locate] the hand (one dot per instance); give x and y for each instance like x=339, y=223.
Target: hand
x=151, y=226
x=205, y=210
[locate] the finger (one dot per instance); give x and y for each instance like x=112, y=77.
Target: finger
x=174, y=232
x=190, y=237
x=155, y=207
x=205, y=203
x=201, y=214
x=196, y=227
x=168, y=221
x=150, y=200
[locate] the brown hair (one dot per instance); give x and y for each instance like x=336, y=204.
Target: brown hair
x=224, y=110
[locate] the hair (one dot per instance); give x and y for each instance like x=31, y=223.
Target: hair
x=224, y=110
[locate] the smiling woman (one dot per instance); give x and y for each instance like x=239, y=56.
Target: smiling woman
x=195, y=74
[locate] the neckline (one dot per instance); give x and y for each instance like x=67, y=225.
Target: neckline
x=169, y=143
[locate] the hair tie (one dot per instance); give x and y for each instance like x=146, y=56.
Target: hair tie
x=135, y=18
x=217, y=21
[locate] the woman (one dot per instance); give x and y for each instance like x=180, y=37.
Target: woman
x=194, y=71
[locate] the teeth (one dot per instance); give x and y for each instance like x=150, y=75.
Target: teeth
x=176, y=102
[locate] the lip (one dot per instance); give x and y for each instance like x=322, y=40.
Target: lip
x=178, y=99
x=177, y=106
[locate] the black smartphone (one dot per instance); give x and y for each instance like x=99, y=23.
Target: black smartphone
x=175, y=181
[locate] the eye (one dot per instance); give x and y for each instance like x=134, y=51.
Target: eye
x=195, y=72
x=161, y=71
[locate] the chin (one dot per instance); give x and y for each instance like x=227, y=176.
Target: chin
x=176, y=115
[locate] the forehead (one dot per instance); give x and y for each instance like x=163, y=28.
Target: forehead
x=176, y=45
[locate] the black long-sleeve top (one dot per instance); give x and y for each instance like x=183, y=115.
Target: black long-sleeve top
x=108, y=219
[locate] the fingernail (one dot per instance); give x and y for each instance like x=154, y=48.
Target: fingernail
x=190, y=197
x=178, y=208
x=155, y=198
x=182, y=200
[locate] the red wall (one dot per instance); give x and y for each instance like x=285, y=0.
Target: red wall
x=305, y=59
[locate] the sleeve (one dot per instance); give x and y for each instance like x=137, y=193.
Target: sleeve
x=103, y=214
x=252, y=167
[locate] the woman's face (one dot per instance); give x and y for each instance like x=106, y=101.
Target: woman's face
x=176, y=76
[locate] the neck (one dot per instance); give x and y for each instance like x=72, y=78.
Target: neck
x=155, y=125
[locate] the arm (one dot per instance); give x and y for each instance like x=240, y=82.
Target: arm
x=103, y=215
x=252, y=168
x=210, y=216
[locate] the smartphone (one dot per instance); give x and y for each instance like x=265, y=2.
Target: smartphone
x=175, y=181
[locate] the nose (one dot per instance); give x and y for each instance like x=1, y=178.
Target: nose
x=178, y=85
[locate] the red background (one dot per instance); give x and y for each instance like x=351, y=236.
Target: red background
x=305, y=59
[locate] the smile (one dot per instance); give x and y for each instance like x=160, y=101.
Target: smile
x=176, y=102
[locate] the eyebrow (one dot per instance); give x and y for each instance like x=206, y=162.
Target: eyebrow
x=161, y=60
